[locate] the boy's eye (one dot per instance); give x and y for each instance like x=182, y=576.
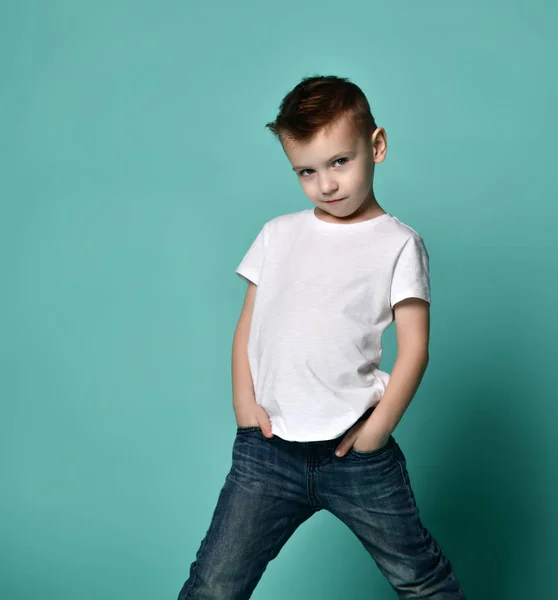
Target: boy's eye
x=301, y=172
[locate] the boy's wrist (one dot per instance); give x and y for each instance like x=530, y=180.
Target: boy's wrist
x=242, y=401
x=377, y=424
x=244, y=406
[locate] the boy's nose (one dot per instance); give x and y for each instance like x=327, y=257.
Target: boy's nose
x=327, y=187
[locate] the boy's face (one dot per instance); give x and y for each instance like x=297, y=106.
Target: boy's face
x=339, y=165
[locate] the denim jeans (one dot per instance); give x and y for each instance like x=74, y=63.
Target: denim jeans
x=274, y=485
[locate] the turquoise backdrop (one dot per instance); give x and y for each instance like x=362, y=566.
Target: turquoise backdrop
x=135, y=173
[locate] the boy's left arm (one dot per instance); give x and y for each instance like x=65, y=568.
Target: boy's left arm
x=412, y=326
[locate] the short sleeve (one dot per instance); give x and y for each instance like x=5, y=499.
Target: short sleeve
x=251, y=264
x=411, y=274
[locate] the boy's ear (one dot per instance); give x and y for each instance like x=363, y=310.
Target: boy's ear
x=379, y=144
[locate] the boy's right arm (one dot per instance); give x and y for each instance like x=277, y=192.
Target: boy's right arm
x=247, y=411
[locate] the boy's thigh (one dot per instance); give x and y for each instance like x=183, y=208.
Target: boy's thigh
x=254, y=516
x=371, y=493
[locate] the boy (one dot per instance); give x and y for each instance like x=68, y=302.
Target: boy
x=314, y=412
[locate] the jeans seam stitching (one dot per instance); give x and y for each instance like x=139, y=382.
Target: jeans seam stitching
x=415, y=510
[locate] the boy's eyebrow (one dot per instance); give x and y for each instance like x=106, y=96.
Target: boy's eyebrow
x=339, y=154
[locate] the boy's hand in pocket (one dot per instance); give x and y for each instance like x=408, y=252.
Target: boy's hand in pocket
x=362, y=439
x=256, y=416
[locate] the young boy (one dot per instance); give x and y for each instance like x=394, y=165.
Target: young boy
x=314, y=412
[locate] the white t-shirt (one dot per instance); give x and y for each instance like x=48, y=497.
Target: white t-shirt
x=324, y=297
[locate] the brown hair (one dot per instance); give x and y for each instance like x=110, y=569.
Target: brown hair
x=316, y=103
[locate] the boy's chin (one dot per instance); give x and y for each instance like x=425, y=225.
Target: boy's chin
x=338, y=209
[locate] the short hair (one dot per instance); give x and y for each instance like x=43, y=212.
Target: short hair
x=316, y=103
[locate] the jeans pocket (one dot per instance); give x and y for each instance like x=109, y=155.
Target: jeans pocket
x=371, y=453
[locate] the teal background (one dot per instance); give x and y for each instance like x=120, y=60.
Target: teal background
x=135, y=173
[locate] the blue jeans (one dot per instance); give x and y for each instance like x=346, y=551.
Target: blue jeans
x=274, y=485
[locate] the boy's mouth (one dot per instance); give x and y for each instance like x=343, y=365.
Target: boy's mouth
x=335, y=201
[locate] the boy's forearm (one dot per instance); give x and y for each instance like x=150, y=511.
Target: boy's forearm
x=405, y=378
x=242, y=383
